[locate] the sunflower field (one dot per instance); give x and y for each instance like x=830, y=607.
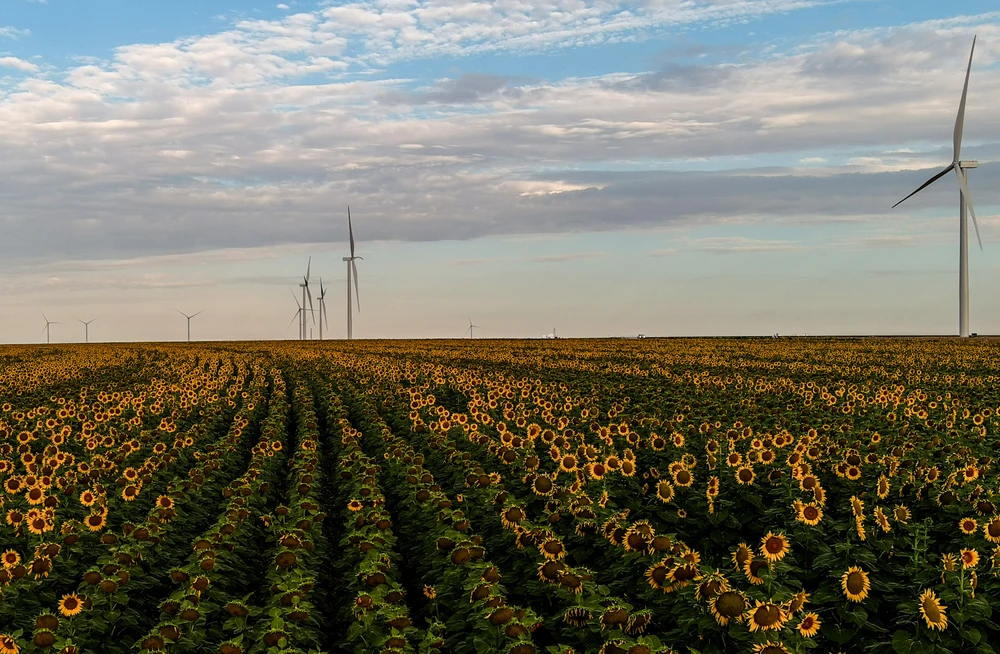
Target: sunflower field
x=608, y=496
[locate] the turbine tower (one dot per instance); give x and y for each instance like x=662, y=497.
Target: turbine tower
x=189, y=320
x=86, y=328
x=351, y=266
x=322, y=309
x=46, y=329
x=305, y=293
x=471, y=326
x=964, y=205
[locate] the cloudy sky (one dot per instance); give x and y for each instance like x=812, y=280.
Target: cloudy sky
x=671, y=167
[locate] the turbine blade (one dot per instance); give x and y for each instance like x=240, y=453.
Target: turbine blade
x=294, y=297
x=308, y=268
x=960, y=120
x=926, y=184
x=310, y=296
x=357, y=294
x=44, y=316
x=350, y=229
x=324, y=316
x=294, y=318
x=968, y=201
x=202, y=311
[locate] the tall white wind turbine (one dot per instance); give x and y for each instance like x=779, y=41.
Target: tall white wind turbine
x=471, y=327
x=46, y=329
x=965, y=203
x=306, y=293
x=86, y=328
x=351, y=266
x=189, y=320
x=322, y=309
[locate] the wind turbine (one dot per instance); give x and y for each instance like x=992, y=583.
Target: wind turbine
x=471, y=326
x=86, y=327
x=351, y=266
x=189, y=320
x=306, y=292
x=964, y=203
x=298, y=313
x=46, y=329
x=322, y=309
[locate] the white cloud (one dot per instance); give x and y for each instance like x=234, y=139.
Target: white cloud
x=18, y=64
x=283, y=6
x=13, y=32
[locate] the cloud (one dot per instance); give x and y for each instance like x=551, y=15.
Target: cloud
x=737, y=244
x=573, y=256
x=13, y=32
x=17, y=64
x=255, y=137
x=283, y=6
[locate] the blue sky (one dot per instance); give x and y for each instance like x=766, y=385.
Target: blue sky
x=699, y=168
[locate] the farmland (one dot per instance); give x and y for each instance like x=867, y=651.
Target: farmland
x=705, y=496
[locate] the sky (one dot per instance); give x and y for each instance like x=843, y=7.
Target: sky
x=597, y=168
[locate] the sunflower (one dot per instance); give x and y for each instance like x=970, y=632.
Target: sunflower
x=430, y=592
x=809, y=514
x=882, y=520
x=933, y=611
x=683, y=478
x=355, y=505
x=8, y=645
x=770, y=648
x=10, y=559
x=70, y=605
x=96, y=521
x=968, y=526
x=809, y=625
x=745, y=475
x=774, y=547
x=552, y=548
x=665, y=491
x=855, y=584
x=130, y=492
x=752, y=571
x=858, y=507
x=970, y=559
x=901, y=514
x=742, y=555
x=567, y=463
x=991, y=530
x=766, y=616
x=797, y=603
x=728, y=605
x=883, y=487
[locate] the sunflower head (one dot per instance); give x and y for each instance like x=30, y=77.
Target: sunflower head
x=933, y=611
x=855, y=584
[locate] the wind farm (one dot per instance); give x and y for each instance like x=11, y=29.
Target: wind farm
x=658, y=353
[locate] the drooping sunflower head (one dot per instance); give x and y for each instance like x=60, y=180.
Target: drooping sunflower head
x=766, y=616
x=933, y=611
x=742, y=555
x=728, y=605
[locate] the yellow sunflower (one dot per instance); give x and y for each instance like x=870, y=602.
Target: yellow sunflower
x=970, y=559
x=809, y=625
x=855, y=584
x=774, y=547
x=933, y=611
x=766, y=616
x=70, y=605
x=809, y=514
x=968, y=526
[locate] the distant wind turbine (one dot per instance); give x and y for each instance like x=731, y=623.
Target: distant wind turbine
x=965, y=202
x=351, y=266
x=86, y=328
x=189, y=320
x=46, y=329
x=306, y=293
x=322, y=309
x=471, y=327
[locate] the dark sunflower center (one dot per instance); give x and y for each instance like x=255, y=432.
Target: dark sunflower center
x=931, y=609
x=774, y=545
x=767, y=615
x=730, y=604
x=855, y=583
